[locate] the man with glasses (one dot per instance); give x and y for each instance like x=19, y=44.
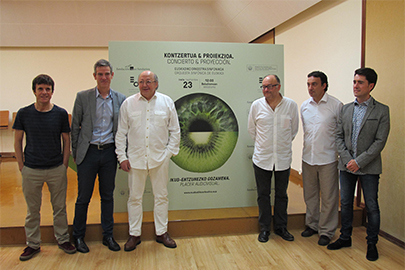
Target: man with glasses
x=94, y=124
x=273, y=124
x=148, y=136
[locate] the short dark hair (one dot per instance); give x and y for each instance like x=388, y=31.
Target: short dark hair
x=102, y=63
x=42, y=79
x=275, y=76
x=320, y=75
x=369, y=73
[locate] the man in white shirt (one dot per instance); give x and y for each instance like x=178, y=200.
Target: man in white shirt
x=148, y=136
x=319, y=115
x=272, y=124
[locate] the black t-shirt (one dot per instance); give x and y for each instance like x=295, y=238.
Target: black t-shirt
x=43, y=135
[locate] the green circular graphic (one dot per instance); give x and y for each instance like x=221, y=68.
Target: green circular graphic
x=209, y=132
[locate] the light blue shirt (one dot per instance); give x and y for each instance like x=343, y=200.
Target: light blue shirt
x=103, y=124
x=358, y=115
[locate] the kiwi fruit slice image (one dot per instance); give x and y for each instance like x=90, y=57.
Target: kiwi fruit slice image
x=209, y=132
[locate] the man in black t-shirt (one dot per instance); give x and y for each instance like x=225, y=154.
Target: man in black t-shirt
x=43, y=160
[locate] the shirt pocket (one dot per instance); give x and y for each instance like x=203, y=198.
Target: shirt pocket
x=285, y=122
x=135, y=119
x=161, y=118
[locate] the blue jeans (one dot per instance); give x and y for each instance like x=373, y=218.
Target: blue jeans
x=263, y=184
x=369, y=184
x=104, y=164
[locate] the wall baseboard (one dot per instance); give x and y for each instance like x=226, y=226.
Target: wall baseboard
x=7, y=154
x=298, y=177
x=392, y=239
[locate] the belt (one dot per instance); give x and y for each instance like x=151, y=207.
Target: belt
x=102, y=146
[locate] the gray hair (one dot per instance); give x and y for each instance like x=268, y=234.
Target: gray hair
x=102, y=63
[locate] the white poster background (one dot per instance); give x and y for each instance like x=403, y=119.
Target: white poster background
x=230, y=71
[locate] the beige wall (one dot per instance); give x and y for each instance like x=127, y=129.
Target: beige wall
x=90, y=23
x=304, y=37
x=71, y=69
x=83, y=23
x=385, y=53
x=320, y=39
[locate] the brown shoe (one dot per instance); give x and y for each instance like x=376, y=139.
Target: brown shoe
x=67, y=247
x=132, y=242
x=166, y=240
x=28, y=253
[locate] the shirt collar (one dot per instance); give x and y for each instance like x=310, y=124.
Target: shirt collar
x=365, y=103
x=281, y=101
x=323, y=99
x=98, y=94
x=142, y=97
x=282, y=97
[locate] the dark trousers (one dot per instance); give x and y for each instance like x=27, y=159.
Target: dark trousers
x=263, y=184
x=104, y=164
x=369, y=185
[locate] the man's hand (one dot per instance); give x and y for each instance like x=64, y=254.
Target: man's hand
x=125, y=166
x=20, y=166
x=352, y=166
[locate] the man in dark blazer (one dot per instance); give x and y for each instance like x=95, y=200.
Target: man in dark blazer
x=362, y=132
x=94, y=124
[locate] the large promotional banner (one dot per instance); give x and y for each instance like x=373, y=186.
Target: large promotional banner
x=213, y=86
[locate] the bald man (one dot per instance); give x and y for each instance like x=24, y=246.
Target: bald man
x=148, y=136
x=273, y=124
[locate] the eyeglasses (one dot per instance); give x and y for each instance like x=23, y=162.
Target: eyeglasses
x=269, y=86
x=147, y=82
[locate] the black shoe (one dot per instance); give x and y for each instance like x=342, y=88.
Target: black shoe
x=264, y=236
x=338, y=244
x=110, y=243
x=372, y=253
x=323, y=240
x=81, y=245
x=285, y=234
x=308, y=232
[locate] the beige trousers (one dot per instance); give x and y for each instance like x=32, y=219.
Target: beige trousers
x=32, y=183
x=321, y=194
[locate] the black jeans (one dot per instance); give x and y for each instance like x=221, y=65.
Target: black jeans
x=369, y=185
x=104, y=164
x=263, y=184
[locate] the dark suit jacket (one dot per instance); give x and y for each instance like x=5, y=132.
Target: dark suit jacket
x=83, y=117
x=372, y=137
